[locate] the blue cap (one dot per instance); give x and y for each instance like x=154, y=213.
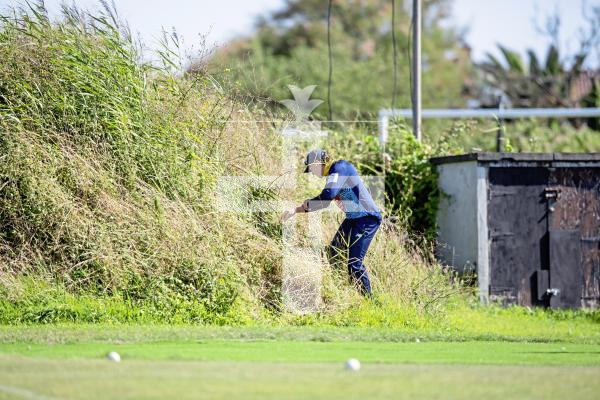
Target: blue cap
x=315, y=157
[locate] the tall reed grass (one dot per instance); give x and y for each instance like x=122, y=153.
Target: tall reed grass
x=108, y=170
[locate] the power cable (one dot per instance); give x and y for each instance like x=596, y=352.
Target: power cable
x=330, y=60
x=394, y=90
x=410, y=71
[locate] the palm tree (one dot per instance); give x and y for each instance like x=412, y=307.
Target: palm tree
x=555, y=83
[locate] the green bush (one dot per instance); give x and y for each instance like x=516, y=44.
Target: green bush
x=411, y=190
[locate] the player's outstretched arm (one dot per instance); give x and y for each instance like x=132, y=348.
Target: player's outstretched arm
x=287, y=214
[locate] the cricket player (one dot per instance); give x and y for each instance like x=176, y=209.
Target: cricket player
x=354, y=235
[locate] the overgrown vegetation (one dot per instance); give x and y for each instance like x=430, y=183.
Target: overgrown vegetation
x=411, y=191
x=108, y=171
x=527, y=135
x=108, y=200
x=100, y=190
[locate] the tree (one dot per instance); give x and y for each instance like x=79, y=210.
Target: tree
x=290, y=47
x=558, y=81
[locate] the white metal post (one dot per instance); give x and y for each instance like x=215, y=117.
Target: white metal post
x=416, y=69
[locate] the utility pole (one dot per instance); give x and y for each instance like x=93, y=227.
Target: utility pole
x=416, y=69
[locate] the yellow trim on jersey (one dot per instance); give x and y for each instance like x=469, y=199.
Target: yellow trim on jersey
x=327, y=167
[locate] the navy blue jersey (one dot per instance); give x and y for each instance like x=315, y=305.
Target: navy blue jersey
x=348, y=190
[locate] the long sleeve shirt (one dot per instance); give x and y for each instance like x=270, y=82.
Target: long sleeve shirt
x=345, y=187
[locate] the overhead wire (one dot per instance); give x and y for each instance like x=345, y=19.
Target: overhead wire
x=329, y=105
x=408, y=47
x=395, y=87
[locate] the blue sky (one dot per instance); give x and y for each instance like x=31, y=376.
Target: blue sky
x=510, y=22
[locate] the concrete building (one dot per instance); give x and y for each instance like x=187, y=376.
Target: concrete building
x=527, y=223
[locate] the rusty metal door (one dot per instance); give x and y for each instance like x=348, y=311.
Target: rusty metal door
x=544, y=228
x=574, y=226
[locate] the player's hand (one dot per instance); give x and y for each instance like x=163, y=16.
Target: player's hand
x=305, y=206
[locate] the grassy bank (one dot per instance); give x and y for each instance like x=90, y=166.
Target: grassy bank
x=109, y=170
x=108, y=211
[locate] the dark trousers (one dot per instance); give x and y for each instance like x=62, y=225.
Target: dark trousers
x=354, y=236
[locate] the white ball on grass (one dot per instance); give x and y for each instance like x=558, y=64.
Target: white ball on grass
x=353, y=364
x=113, y=356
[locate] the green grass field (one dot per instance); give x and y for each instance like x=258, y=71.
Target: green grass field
x=291, y=363
x=109, y=172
